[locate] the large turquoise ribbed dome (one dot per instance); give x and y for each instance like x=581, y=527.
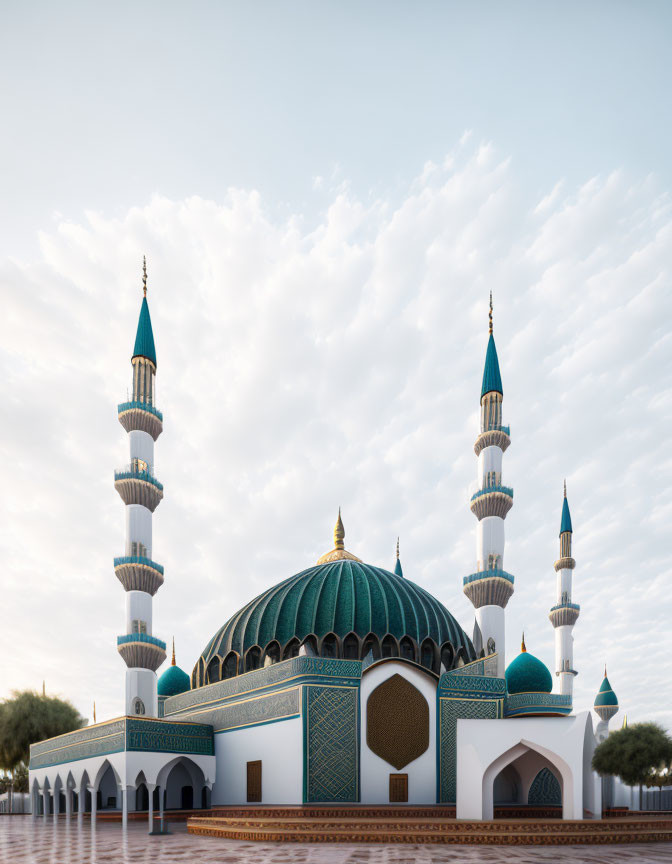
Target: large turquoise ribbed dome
x=345, y=597
x=527, y=674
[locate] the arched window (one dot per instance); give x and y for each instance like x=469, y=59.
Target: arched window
x=230, y=665
x=213, y=673
x=253, y=658
x=291, y=649
x=309, y=647
x=329, y=646
x=138, y=706
x=390, y=646
x=428, y=655
x=371, y=646
x=272, y=653
x=447, y=656
x=351, y=647
x=407, y=648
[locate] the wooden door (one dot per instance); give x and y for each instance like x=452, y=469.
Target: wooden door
x=254, y=782
x=398, y=788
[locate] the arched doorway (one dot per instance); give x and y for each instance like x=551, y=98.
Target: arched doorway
x=183, y=782
x=518, y=768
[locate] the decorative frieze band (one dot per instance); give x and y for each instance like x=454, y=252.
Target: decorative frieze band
x=492, y=438
x=491, y=504
x=489, y=591
x=133, y=490
x=564, y=564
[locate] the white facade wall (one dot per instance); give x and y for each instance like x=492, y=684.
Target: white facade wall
x=278, y=745
x=489, y=459
x=493, y=626
x=138, y=608
x=138, y=527
x=141, y=446
x=490, y=540
x=141, y=683
x=564, y=744
x=374, y=771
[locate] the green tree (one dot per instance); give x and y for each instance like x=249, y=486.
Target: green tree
x=26, y=718
x=634, y=754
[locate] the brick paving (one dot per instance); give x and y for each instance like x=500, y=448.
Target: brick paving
x=27, y=841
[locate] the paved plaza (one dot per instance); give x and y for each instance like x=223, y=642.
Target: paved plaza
x=23, y=841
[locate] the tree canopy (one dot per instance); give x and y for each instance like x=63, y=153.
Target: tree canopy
x=28, y=717
x=633, y=753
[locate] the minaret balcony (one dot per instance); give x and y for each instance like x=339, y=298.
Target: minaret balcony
x=564, y=614
x=141, y=416
x=137, y=573
x=565, y=563
x=141, y=651
x=138, y=487
x=495, y=436
x=492, y=501
x=489, y=588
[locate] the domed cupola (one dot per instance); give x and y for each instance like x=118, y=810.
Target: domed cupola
x=174, y=680
x=340, y=608
x=527, y=674
x=529, y=685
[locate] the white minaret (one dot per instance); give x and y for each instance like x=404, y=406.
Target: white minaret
x=564, y=614
x=141, y=492
x=490, y=588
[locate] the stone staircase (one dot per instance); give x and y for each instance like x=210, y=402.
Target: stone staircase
x=417, y=825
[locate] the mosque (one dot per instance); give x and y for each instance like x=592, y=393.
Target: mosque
x=344, y=684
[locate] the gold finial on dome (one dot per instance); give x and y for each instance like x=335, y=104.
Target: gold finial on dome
x=172, y=663
x=397, y=548
x=94, y=712
x=490, y=316
x=565, y=487
x=339, y=532
x=144, y=275
x=339, y=552
x=523, y=649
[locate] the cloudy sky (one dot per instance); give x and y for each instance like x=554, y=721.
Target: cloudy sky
x=326, y=193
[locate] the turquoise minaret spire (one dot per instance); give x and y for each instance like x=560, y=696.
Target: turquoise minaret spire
x=564, y=614
x=490, y=587
x=397, y=564
x=142, y=493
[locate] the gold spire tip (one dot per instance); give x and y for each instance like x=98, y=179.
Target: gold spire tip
x=173, y=660
x=397, y=548
x=339, y=532
x=605, y=670
x=490, y=316
x=94, y=712
x=144, y=275
x=522, y=644
x=565, y=487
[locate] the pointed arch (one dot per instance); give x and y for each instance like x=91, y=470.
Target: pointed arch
x=429, y=655
x=291, y=649
x=230, y=665
x=371, y=645
x=272, y=654
x=329, y=647
x=351, y=647
x=407, y=649
x=389, y=646
x=447, y=656
x=214, y=670
x=252, y=658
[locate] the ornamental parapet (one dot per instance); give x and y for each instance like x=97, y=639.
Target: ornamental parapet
x=492, y=501
x=137, y=573
x=537, y=705
x=564, y=613
x=564, y=564
x=141, y=416
x=499, y=437
x=138, y=487
x=489, y=588
x=141, y=651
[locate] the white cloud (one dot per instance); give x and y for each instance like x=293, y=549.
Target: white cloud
x=303, y=368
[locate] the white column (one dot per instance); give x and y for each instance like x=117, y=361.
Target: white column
x=150, y=807
x=68, y=803
x=34, y=798
x=57, y=803
x=124, y=805
x=81, y=803
x=94, y=805
x=45, y=801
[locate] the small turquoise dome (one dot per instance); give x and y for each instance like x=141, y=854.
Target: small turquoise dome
x=527, y=674
x=605, y=695
x=173, y=681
